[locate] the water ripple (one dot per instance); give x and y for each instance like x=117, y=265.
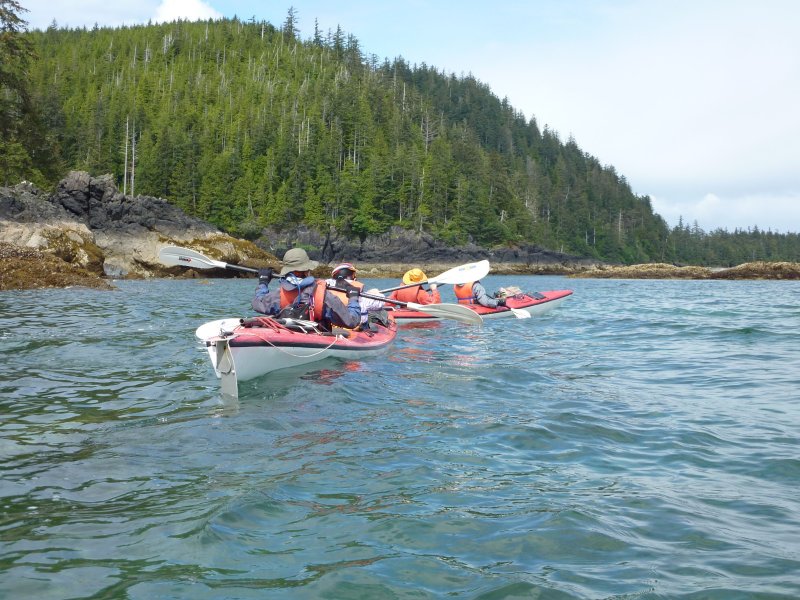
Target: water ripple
x=638, y=442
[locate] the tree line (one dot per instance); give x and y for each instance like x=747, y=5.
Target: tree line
x=247, y=126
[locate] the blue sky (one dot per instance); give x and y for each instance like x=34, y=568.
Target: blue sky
x=695, y=102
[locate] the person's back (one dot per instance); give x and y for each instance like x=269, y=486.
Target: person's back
x=416, y=293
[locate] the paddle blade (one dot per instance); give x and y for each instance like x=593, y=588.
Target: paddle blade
x=173, y=256
x=457, y=312
x=520, y=314
x=463, y=273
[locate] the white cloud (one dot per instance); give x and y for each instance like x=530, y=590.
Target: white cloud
x=692, y=96
x=85, y=13
x=779, y=213
x=188, y=10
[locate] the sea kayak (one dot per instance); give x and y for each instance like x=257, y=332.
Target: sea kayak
x=533, y=303
x=243, y=349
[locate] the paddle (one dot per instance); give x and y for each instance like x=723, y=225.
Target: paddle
x=183, y=257
x=520, y=314
x=456, y=312
x=172, y=256
x=462, y=274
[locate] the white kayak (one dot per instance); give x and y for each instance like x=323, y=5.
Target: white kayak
x=243, y=349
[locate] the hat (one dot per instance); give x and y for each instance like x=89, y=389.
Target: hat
x=296, y=259
x=343, y=267
x=414, y=276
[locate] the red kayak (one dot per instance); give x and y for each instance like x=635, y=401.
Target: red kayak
x=243, y=349
x=521, y=306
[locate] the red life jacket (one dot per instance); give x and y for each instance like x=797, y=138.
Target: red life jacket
x=463, y=292
x=317, y=299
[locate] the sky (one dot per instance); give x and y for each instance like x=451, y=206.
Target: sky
x=695, y=102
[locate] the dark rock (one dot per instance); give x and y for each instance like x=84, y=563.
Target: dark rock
x=400, y=245
x=87, y=223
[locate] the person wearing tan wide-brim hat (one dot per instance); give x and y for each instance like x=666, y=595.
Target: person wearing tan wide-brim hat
x=300, y=296
x=296, y=260
x=414, y=292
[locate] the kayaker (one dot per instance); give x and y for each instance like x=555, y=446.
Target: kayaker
x=344, y=275
x=417, y=293
x=474, y=293
x=300, y=296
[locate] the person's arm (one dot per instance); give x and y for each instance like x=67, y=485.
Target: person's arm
x=432, y=297
x=370, y=304
x=340, y=314
x=481, y=297
x=266, y=302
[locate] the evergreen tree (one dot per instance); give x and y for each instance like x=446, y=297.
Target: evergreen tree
x=247, y=126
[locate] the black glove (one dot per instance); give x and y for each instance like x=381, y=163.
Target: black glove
x=501, y=302
x=352, y=291
x=265, y=275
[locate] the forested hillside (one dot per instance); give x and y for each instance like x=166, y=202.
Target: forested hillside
x=246, y=126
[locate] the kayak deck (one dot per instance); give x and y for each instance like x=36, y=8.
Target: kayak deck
x=534, y=303
x=260, y=345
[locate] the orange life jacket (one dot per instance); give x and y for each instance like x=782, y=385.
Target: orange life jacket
x=407, y=294
x=288, y=298
x=463, y=292
x=342, y=296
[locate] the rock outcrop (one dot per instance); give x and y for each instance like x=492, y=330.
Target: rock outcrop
x=89, y=224
x=27, y=268
x=399, y=249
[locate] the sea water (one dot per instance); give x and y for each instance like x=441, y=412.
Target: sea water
x=640, y=441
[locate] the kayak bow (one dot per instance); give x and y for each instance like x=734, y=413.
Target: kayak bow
x=244, y=349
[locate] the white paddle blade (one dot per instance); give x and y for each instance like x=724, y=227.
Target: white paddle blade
x=463, y=273
x=457, y=312
x=172, y=256
x=520, y=314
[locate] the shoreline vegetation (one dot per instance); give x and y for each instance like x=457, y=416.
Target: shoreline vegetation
x=28, y=268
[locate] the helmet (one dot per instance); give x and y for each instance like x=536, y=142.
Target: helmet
x=346, y=270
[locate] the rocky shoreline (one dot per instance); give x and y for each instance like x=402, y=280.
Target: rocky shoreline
x=87, y=224
x=751, y=270
x=87, y=233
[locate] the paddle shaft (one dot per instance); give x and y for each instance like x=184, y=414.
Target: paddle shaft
x=371, y=296
x=443, y=311
x=240, y=268
x=410, y=285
